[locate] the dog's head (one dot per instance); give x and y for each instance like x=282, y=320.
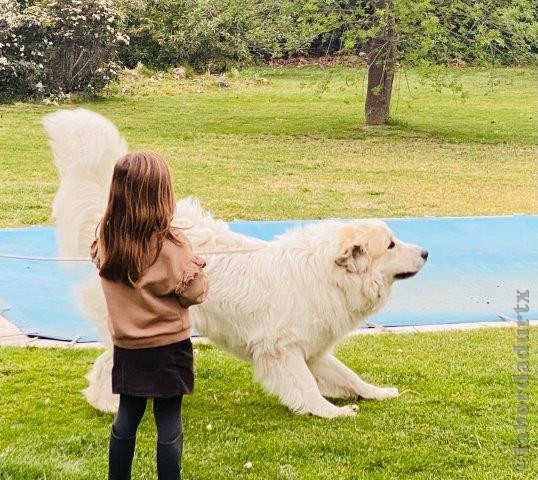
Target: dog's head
x=369, y=246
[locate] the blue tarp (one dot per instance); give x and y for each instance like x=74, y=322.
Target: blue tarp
x=476, y=264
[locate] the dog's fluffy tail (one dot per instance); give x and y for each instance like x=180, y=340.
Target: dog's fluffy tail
x=86, y=146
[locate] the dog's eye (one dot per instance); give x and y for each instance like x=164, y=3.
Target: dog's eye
x=392, y=245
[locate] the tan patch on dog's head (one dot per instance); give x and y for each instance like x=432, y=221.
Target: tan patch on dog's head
x=361, y=243
x=370, y=246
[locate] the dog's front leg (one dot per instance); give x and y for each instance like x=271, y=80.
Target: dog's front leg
x=335, y=380
x=287, y=376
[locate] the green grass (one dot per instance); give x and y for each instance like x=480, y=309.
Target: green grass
x=455, y=422
x=269, y=146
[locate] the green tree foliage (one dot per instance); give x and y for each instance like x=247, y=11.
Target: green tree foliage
x=217, y=35
x=207, y=34
x=439, y=31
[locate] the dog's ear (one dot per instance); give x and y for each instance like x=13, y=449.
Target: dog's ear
x=353, y=257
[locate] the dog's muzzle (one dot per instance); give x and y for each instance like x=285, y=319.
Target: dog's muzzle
x=403, y=275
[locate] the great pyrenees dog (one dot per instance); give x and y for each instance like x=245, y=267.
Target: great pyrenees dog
x=280, y=305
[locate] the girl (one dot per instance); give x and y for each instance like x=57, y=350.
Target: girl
x=150, y=278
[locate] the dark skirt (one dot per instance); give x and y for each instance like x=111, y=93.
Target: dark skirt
x=155, y=372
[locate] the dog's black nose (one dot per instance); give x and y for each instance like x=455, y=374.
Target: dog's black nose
x=424, y=254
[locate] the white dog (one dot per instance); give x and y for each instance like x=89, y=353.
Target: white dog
x=281, y=305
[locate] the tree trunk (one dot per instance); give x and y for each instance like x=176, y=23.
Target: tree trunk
x=381, y=64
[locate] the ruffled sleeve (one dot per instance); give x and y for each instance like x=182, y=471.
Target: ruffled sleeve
x=192, y=284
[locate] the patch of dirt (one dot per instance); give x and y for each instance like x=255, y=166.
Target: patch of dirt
x=325, y=61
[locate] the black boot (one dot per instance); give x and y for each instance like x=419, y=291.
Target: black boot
x=120, y=457
x=169, y=459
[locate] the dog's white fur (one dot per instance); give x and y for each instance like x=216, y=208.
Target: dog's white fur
x=282, y=307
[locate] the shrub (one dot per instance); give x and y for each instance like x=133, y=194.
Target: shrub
x=206, y=34
x=21, y=51
x=56, y=48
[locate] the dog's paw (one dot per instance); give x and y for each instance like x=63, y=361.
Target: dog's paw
x=349, y=411
x=335, y=412
x=381, y=393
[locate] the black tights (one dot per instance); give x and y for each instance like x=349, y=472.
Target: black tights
x=167, y=413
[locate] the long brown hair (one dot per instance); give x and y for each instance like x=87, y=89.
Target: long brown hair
x=137, y=218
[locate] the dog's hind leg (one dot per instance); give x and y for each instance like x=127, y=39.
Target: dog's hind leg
x=335, y=380
x=287, y=376
x=99, y=392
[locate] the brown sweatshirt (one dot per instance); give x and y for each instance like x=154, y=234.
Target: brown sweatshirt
x=154, y=312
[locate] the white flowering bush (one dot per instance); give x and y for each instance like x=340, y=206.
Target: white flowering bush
x=56, y=48
x=21, y=50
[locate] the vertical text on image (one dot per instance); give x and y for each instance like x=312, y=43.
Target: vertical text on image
x=521, y=379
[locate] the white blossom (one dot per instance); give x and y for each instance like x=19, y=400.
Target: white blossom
x=67, y=16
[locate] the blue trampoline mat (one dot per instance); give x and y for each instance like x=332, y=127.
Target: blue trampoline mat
x=476, y=264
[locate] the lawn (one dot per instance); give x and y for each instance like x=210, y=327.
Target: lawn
x=454, y=423
x=271, y=143
x=274, y=144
